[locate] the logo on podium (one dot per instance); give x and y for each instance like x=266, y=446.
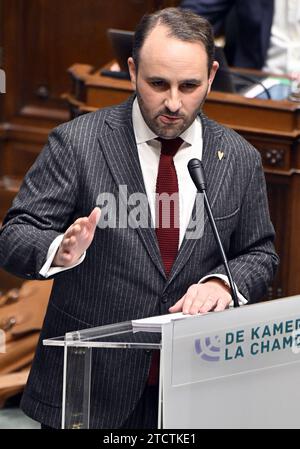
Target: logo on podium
x=208, y=348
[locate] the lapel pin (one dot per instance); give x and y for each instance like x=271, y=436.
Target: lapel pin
x=220, y=155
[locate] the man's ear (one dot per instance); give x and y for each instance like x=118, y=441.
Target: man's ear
x=212, y=74
x=132, y=71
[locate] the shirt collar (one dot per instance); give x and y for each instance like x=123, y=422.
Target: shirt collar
x=143, y=133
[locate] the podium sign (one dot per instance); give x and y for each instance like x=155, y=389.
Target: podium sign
x=234, y=369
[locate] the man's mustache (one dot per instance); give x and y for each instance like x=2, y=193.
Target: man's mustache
x=170, y=114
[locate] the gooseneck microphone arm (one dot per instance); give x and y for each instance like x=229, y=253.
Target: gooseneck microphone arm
x=197, y=174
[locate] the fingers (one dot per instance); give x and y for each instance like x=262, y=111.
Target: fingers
x=177, y=307
x=68, y=243
x=84, y=224
x=75, y=228
x=222, y=304
x=77, y=239
x=94, y=216
x=192, y=301
x=81, y=225
x=64, y=258
x=202, y=298
x=66, y=251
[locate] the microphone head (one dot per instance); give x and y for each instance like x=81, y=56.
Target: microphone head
x=196, y=171
x=194, y=163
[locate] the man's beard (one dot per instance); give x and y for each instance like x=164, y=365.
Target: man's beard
x=164, y=131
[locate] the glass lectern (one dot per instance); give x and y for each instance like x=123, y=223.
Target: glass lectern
x=239, y=368
x=78, y=347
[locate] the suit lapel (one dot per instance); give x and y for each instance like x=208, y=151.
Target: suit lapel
x=120, y=150
x=215, y=171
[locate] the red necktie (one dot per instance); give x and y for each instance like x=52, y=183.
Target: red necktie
x=167, y=227
x=167, y=215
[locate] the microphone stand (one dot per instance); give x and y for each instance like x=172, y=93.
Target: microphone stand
x=197, y=174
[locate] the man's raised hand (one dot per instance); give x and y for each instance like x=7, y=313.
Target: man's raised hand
x=77, y=239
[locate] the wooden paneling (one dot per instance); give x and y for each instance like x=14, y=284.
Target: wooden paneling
x=42, y=38
x=8, y=190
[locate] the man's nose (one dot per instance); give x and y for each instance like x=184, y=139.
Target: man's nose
x=173, y=101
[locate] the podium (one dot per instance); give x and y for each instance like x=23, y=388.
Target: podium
x=239, y=368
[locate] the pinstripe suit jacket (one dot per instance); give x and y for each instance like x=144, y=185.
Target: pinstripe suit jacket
x=122, y=276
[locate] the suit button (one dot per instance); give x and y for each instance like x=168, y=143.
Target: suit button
x=164, y=298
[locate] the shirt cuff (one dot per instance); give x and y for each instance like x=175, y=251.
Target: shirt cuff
x=46, y=270
x=241, y=298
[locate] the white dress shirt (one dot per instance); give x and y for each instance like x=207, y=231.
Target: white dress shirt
x=149, y=155
x=284, y=51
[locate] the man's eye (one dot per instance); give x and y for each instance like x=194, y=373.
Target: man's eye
x=157, y=83
x=188, y=86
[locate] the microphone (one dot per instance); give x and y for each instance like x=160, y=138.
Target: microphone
x=196, y=171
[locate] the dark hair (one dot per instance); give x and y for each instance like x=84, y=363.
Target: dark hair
x=183, y=25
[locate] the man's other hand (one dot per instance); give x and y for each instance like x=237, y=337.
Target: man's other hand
x=212, y=295
x=77, y=239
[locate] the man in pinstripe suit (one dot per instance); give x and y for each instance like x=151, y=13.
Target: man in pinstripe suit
x=104, y=275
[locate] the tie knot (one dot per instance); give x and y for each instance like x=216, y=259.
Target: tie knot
x=170, y=147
